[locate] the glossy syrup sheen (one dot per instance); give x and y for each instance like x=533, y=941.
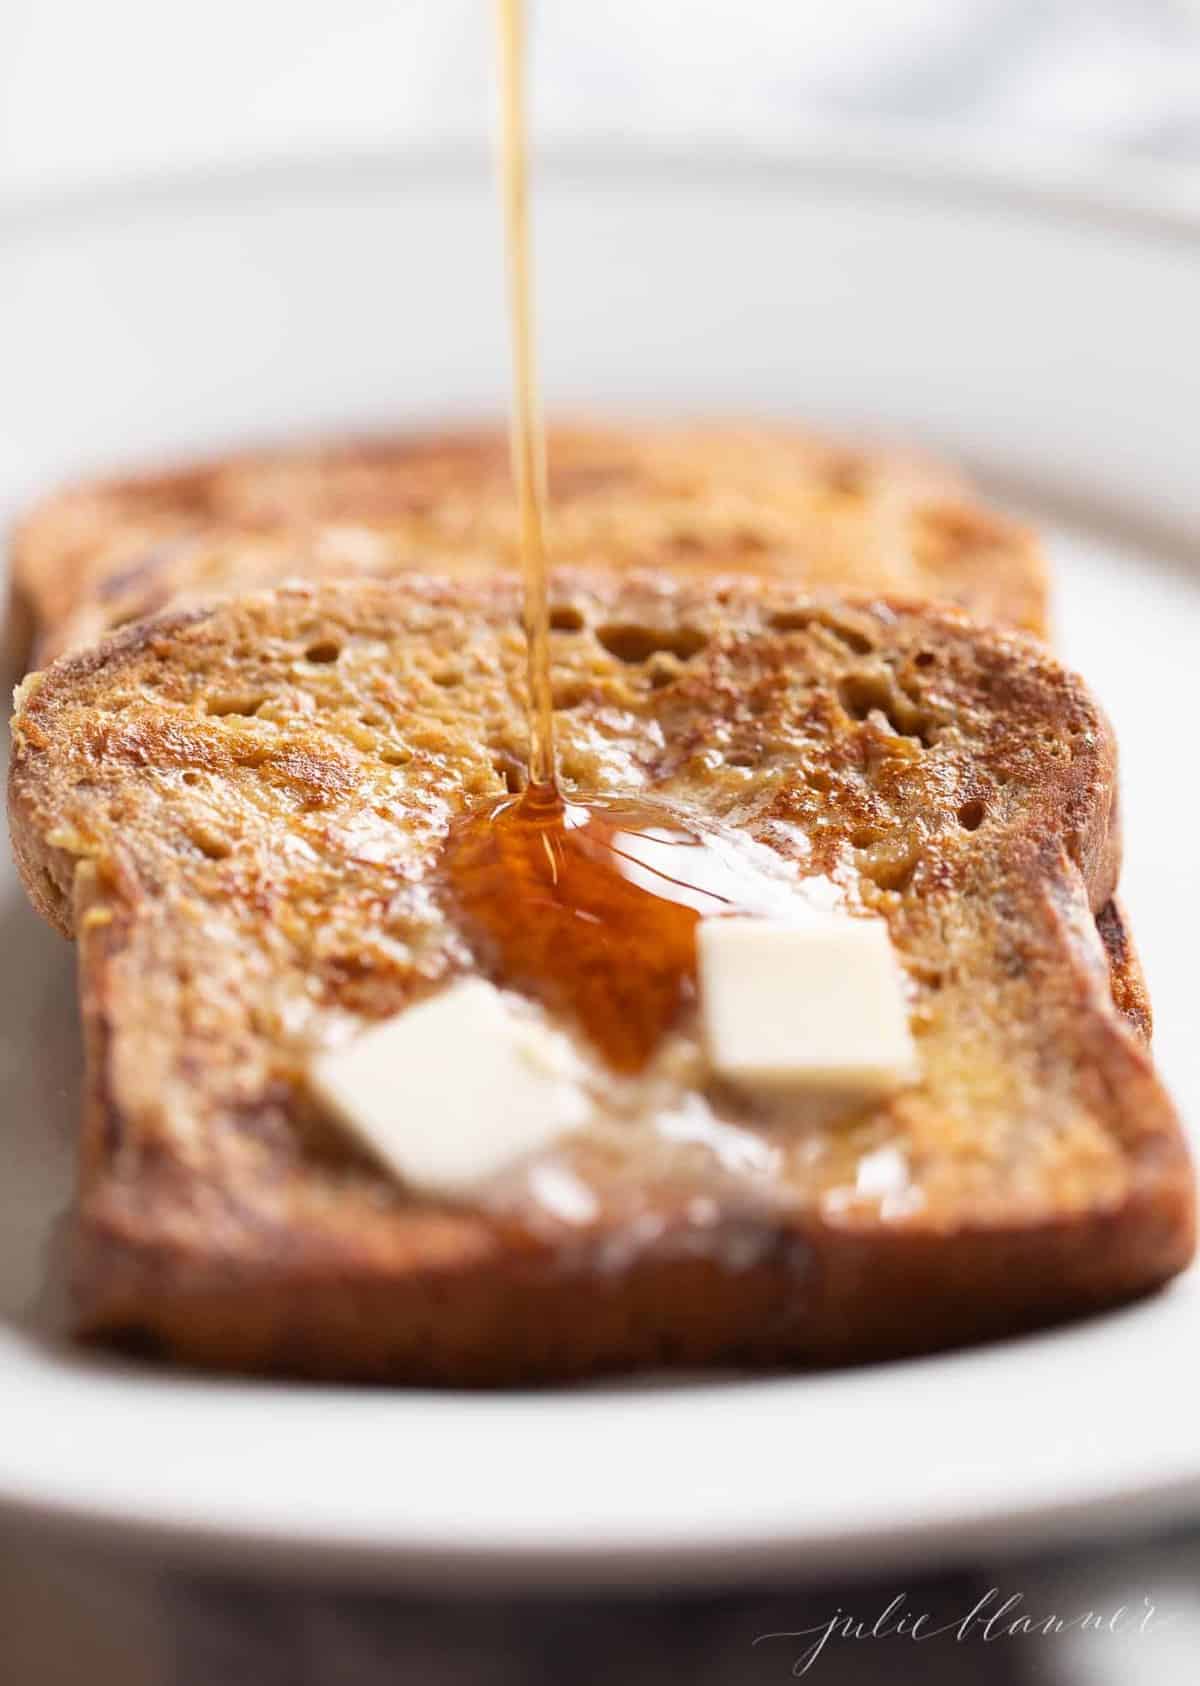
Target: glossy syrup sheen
x=592, y=907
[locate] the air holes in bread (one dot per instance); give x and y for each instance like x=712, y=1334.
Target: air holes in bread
x=847, y=477
x=234, y=702
x=209, y=842
x=662, y=669
x=893, y=865
x=861, y=692
x=565, y=618
x=324, y=651
x=801, y=620
x=971, y=814
x=686, y=543
x=633, y=643
x=875, y=690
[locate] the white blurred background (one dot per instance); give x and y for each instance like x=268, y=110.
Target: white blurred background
x=98, y=90
x=90, y=89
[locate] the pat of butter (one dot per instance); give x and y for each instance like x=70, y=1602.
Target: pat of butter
x=817, y=1006
x=456, y=1088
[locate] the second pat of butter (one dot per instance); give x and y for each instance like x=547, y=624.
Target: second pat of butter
x=804, y=1006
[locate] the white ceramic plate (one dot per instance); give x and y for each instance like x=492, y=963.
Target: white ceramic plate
x=1045, y=333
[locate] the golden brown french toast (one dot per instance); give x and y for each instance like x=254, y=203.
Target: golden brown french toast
x=769, y=499
x=239, y=811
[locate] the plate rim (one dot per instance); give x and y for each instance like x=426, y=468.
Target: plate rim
x=1140, y=201
x=1148, y=196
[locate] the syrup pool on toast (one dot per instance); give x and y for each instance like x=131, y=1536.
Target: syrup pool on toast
x=591, y=907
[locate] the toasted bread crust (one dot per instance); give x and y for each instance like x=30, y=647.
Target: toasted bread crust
x=492, y=1317
x=1129, y=992
x=185, y=797
x=765, y=498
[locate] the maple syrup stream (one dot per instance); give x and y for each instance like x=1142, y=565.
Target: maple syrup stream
x=589, y=906
x=528, y=434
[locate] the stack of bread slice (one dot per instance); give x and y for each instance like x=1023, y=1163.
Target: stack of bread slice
x=275, y=680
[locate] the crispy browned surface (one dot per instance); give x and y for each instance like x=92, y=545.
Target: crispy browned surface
x=238, y=810
x=766, y=498
x=1126, y=978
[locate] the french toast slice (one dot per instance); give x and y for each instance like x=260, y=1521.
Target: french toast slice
x=238, y=811
x=765, y=498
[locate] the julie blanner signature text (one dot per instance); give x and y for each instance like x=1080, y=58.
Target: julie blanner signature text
x=993, y=1617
